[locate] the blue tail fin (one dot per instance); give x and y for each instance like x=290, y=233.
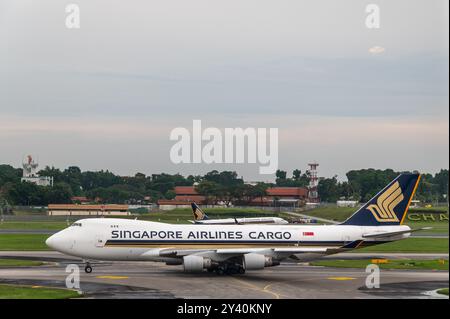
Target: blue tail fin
x=388, y=207
x=198, y=213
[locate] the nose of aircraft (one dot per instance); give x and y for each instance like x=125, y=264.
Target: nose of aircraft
x=50, y=242
x=59, y=241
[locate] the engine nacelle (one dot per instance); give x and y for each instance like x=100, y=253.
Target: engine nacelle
x=254, y=261
x=195, y=263
x=257, y=261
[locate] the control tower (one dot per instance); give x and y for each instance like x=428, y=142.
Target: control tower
x=313, y=194
x=30, y=174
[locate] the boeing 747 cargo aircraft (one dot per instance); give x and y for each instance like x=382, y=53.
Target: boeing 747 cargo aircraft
x=201, y=218
x=239, y=248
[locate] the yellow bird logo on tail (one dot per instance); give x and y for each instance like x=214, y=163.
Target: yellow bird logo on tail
x=383, y=211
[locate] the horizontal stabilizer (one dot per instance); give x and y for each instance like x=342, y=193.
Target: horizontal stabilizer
x=394, y=233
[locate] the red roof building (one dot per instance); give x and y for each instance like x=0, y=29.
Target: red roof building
x=87, y=210
x=188, y=194
x=185, y=190
x=275, y=195
x=282, y=196
x=288, y=192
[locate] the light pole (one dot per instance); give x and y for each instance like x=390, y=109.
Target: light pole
x=2, y=205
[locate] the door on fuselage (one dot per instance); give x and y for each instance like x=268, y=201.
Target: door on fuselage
x=100, y=241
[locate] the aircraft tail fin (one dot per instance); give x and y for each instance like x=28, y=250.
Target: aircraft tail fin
x=197, y=212
x=390, y=205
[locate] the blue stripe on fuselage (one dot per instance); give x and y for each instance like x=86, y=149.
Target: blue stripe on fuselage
x=171, y=241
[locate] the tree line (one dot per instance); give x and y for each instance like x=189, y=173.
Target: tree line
x=226, y=186
x=363, y=184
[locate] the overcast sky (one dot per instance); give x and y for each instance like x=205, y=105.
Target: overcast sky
x=108, y=94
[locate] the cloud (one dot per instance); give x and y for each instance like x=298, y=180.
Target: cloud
x=377, y=50
x=128, y=145
x=281, y=66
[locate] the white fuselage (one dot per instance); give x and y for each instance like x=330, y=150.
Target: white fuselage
x=122, y=239
x=243, y=221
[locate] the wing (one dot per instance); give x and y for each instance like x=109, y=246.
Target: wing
x=281, y=253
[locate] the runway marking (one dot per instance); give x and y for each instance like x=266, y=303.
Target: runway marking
x=341, y=278
x=112, y=277
x=266, y=288
x=254, y=287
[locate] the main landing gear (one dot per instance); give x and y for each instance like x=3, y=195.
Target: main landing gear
x=88, y=268
x=229, y=269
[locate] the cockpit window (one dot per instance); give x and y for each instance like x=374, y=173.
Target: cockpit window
x=76, y=224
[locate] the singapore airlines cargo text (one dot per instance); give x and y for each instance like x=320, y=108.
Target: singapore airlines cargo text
x=137, y=234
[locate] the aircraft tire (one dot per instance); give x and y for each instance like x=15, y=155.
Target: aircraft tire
x=220, y=271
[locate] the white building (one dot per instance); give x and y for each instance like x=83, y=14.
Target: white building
x=30, y=175
x=347, y=203
x=87, y=210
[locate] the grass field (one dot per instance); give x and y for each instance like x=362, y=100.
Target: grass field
x=19, y=263
x=332, y=212
x=176, y=216
x=392, y=264
x=23, y=242
x=35, y=292
x=443, y=291
x=27, y=212
x=415, y=218
x=437, y=227
x=420, y=210
x=41, y=225
x=411, y=245
x=341, y=213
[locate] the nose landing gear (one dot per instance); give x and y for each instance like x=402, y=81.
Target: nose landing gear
x=88, y=268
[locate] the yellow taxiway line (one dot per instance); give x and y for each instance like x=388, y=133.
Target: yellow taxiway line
x=112, y=277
